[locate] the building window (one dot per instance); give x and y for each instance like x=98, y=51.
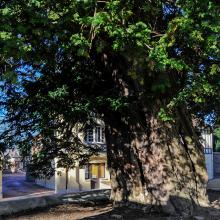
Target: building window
x=95, y=135
x=95, y=170
x=87, y=172
x=89, y=135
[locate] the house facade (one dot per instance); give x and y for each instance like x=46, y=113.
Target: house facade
x=13, y=161
x=94, y=175
x=207, y=142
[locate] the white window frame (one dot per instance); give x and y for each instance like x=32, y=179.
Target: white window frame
x=97, y=136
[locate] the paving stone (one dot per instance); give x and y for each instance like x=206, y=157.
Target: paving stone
x=198, y=218
x=215, y=213
x=116, y=216
x=86, y=196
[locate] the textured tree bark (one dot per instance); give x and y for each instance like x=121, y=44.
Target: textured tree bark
x=160, y=168
x=157, y=165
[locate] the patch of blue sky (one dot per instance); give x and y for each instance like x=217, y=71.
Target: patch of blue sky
x=27, y=72
x=178, y=51
x=169, y=9
x=202, y=67
x=214, y=58
x=24, y=73
x=210, y=118
x=3, y=126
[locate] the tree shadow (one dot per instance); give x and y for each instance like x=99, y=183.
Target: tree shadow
x=103, y=209
x=141, y=212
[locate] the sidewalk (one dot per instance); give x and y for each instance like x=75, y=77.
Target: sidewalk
x=214, y=184
x=45, y=200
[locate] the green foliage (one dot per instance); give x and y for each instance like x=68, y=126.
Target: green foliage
x=117, y=104
x=164, y=115
x=5, y=35
x=59, y=93
x=103, y=57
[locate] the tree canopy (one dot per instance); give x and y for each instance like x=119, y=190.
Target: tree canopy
x=57, y=58
x=76, y=59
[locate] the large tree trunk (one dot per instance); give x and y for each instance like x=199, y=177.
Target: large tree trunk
x=159, y=168
x=154, y=164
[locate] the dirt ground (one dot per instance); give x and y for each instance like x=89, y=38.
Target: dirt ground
x=63, y=212
x=105, y=212
x=79, y=212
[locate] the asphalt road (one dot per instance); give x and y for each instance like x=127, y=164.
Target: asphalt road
x=15, y=185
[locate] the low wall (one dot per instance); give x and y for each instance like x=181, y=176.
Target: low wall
x=209, y=164
x=216, y=164
x=25, y=203
x=0, y=184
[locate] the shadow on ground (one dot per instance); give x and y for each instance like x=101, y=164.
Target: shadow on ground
x=103, y=210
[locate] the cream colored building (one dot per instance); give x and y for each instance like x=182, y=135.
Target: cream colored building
x=15, y=162
x=94, y=175
x=207, y=142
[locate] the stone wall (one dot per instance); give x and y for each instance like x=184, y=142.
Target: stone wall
x=209, y=164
